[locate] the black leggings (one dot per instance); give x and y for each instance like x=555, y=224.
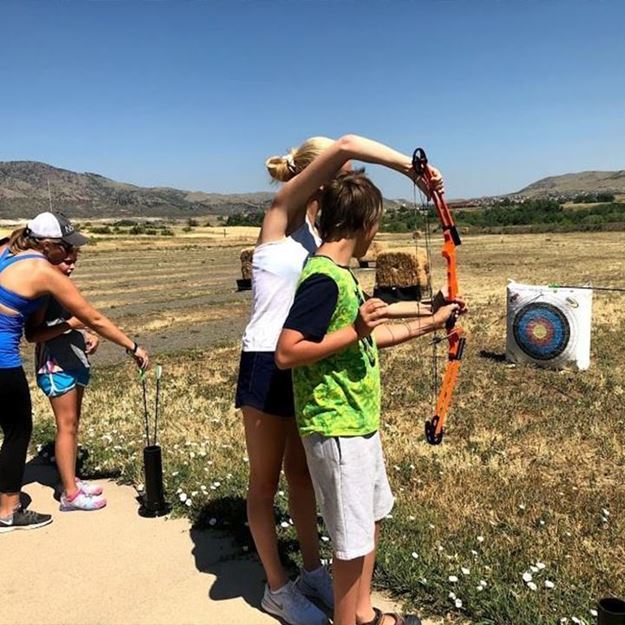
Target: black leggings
x=16, y=420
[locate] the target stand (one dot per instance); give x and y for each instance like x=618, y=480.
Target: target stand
x=549, y=327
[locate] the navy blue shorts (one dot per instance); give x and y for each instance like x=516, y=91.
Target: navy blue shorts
x=263, y=386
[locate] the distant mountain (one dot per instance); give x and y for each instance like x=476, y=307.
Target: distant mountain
x=24, y=192
x=573, y=184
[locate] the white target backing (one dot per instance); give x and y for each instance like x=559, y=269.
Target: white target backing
x=549, y=327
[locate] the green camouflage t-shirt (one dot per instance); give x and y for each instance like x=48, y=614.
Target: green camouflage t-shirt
x=339, y=395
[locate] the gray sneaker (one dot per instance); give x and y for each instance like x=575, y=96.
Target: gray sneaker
x=24, y=520
x=290, y=605
x=317, y=584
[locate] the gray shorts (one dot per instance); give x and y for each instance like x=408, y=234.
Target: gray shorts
x=352, y=489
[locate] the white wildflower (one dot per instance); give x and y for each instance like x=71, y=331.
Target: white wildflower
x=534, y=569
x=521, y=506
x=532, y=586
x=549, y=584
x=284, y=524
x=593, y=612
x=465, y=570
x=415, y=555
x=182, y=497
x=188, y=503
x=458, y=603
x=540, y=565
x=480, y=539
x=453, y=579
x=452, y=595
x=606, y=512
x=325, y=539
x=527, y=577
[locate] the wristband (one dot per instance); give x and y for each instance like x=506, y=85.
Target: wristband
x=133, y=351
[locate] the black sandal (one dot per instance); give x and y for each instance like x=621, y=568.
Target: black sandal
x=399, y=619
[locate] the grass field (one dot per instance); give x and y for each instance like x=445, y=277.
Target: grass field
x=528, y=481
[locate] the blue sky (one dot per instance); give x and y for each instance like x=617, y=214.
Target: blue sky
x=197, y=94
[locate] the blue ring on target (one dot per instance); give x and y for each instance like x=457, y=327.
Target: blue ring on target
x=541, y=330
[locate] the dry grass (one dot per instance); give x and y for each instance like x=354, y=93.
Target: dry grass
x=531, y=462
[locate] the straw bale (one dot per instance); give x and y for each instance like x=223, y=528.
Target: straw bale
x=372, y=253
x=400, y=268
x=246, y=262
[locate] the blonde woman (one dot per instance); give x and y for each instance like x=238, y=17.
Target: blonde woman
x=27, y=275
x=264, y=393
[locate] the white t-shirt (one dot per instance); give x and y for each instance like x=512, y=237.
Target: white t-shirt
x=276, y=268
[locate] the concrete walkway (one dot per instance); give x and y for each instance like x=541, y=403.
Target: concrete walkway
x=113, y=567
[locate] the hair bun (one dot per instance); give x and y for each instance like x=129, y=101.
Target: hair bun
x=281, y=168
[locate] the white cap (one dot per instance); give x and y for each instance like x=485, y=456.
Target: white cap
x=55, y=226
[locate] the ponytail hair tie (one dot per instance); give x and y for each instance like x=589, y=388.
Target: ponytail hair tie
x=290, y=164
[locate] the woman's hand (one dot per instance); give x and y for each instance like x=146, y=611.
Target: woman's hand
x=436, y=181
x=91, y=343
x=372, y=313
x=141, y=358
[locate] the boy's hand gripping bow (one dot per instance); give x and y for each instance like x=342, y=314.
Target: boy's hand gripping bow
x=434, y=427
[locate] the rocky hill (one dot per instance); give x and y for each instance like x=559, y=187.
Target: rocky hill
x=24, y=191
x=573, y=184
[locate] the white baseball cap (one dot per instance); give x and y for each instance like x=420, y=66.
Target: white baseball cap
x=55, y=226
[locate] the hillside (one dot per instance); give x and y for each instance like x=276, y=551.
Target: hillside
x=572, y=184
x=24, y=191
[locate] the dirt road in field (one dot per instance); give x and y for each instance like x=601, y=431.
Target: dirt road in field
x=113, y=567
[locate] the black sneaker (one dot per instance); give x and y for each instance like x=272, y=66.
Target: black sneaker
x=25, y=520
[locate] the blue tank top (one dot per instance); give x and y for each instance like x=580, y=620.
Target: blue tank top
x=11, y=326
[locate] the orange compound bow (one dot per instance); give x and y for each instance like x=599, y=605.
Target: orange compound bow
x=435, y=427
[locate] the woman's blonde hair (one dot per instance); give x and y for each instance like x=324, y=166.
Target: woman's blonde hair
x=283, y=168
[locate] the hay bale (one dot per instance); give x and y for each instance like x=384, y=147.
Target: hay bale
x=417, y=234
x=246, y=262
x=399, y=268
x=372, y=253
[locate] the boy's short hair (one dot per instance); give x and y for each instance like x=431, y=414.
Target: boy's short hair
x=350, y=204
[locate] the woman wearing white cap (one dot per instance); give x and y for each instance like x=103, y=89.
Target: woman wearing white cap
x=24, y=282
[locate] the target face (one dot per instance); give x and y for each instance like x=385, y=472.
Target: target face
x=542, y=331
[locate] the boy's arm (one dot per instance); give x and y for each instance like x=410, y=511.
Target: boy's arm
x=388, y=335
x=295, y=350
x=410, y=309
x=305, y=338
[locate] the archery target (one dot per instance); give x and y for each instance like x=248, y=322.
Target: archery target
x=549, y=327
